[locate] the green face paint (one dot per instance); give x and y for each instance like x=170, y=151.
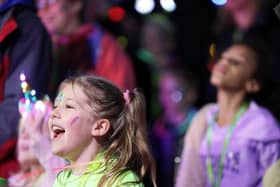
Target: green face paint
x=60, y=97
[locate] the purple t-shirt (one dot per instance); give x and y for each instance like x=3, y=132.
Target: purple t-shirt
x=254, y=145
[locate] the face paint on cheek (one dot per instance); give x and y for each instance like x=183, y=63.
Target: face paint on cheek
x=60, y=97
x=75, y=120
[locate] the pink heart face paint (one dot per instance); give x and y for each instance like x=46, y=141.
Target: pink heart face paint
x=75, y=120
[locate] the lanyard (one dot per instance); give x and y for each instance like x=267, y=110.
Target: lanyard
x=210, y=172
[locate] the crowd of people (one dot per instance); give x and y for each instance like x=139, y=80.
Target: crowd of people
x=78, y=108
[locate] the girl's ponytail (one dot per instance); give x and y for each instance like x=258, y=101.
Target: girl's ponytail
x=141, y=159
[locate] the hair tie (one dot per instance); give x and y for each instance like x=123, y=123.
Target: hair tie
x=126, y=96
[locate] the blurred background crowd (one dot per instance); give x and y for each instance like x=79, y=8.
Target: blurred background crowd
x=165, y=47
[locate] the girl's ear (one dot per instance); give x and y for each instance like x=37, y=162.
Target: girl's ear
x=100, y=127
x=252, y=86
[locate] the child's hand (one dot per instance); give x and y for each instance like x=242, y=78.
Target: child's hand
x=36, y=125
x=37, y=120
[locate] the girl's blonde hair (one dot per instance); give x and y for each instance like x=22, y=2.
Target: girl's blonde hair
x=127, y=137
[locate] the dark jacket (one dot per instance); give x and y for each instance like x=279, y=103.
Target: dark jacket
x=24, y=47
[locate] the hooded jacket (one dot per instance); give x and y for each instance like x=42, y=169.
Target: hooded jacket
x=24, y=47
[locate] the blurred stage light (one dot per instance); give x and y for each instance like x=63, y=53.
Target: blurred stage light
x=168, y=5
x=144, y=6
x=116, y=13
x=219, y=2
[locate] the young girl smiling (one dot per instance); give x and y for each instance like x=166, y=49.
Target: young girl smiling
x=101, y=131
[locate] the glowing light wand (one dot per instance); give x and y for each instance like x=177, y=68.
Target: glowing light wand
x=29, y=101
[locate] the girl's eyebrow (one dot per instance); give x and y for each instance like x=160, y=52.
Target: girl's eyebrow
x=77, y=101
x=240, y=57
x=70, y=99
x=60, y=98
x=244, y=57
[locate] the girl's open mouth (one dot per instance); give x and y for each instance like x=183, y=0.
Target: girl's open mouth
x=57, y=131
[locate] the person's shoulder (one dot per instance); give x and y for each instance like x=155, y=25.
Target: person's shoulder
x=23, y=14
x=208, y=106
x=128, y=178
x=204, y=112
x=61, y=177
x=199, y=123
x=28, y=20
x=260, y=114
x=261, y=124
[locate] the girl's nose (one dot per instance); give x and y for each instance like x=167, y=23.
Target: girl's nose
x=55, y=113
